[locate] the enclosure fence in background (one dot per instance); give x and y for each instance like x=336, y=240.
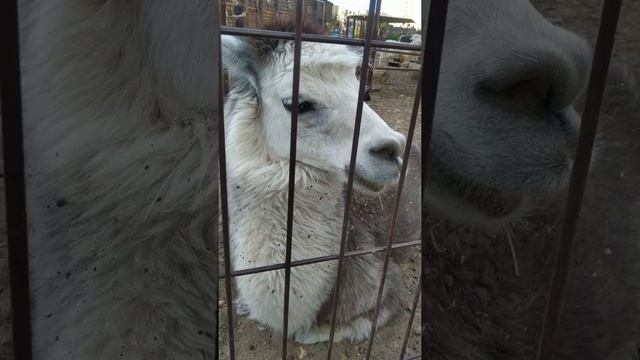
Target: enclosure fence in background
x=426, y=91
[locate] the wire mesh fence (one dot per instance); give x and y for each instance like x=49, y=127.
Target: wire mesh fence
x=406, y=51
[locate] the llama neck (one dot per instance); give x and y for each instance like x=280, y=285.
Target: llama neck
x=258, y=196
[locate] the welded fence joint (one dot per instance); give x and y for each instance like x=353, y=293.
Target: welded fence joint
x=14, y=172
x=580, y=171
x=432, y=50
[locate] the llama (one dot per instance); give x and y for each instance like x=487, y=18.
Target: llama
x=479, y=308
x=258, y=128
x=121, y=144
x=501, y=153
x=258, y=150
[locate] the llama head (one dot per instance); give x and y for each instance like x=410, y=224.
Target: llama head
x=329, y=82
x=505, y=129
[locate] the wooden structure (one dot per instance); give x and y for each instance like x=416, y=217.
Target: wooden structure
x=260, y=12
x=356, y=25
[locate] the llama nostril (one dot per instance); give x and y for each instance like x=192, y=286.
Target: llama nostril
x=547, y=76
x=387, y=150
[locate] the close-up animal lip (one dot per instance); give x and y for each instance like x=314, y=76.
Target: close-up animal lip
x=490, y=201
x=369, y=185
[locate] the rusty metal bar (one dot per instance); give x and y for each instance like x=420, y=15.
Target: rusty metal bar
x=283, y=35
x=14, y=171
x=432, y=50
x=317, y=260
x=223, y=12
x=580, y=171
x=224, y=202
x=374, y=6
x=414, y=306
x=297, y=53
x=395, y=68
x=394, y=217
x=405, y=52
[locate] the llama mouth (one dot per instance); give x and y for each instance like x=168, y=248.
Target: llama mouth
x=473, y=199
x=489, y=201
x=366, y=184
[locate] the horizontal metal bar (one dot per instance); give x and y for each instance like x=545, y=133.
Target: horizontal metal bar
x=394, y=68
x=316, y=260
x=414, y=357
x=406, y=52
x=282, y=35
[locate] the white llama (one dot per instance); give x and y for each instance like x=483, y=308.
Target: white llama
x=505, y=134
x=120, y=120
x=258, y=128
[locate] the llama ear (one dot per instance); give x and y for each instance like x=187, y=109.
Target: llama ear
x=239, y=59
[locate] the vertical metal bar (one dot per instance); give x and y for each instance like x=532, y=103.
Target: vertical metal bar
x=218, y=81
x=346, y=35
x=414, y=306
x=224, y=203
x=16, y=207
x=223, y=12
x=257, y=16
x=394, y=217
x=588, y=128
x=432, y=56
x=374, y=5
x=292, y=170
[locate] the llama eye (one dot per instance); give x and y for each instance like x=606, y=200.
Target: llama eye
x=303, y=106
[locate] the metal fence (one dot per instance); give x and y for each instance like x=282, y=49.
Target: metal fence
x=394, y=67
x=426, y=92
x=435, y=39
x=368, y=43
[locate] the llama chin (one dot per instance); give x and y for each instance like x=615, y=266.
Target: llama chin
x=475, y=204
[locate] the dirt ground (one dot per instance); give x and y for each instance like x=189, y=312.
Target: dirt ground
x=393, y=103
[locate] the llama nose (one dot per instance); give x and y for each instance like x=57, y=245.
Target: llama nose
x=388, y=149
x=550, y=74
